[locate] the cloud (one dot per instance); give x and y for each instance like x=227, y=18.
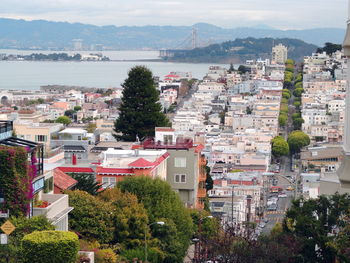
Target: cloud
x=227, y=13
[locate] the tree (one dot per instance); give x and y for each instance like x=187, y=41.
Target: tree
x=243, y=69
x=69, y=113
x=329, y=48
x=231, y=69
x=315, y=223
x=282, y=120
x=63, y=119
x=13, y=251
x=286, y=95
x=139, y=112
x=297, y=104
x=91, y=127
x=297, y=123
x=50, y=246
x=129, y=217
x=77, y=108
x=297, y=140
x=163, y=204
x=86, y=182
x=279, y=146
x=298, y=91
x=91, y=217
x=209, y=183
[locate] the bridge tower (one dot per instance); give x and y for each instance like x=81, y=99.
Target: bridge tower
x=194, y=38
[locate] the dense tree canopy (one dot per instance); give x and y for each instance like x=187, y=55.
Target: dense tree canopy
x=63, y=119
x=162, y=203
x=140, y=112
x=279, y=146
x=329, y=48
x=315, y=223
x=297, y=140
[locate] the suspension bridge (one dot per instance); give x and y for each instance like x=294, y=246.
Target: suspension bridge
x=192, y=41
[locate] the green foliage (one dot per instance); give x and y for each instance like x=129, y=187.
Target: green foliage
x=140, y=111
x=284, y=101
x=299, y=85
x=279, y=146
x=284, y=108
x=209, y=183
x=298, y=91
x=297, y=104
x=243, y=69
x=69, y=113
x=290, y=62
x=161, y=202
x=296, y=115
x=13, y=251
x=91, y=217
x=153, y=255
x=282, y=120
x=91, y=127
x=290, y=69
x=129, y=217
x=50, y=246
x=297, y=140
x=77, y=108
x=313, y=222
x=106, y=255
x=63, y=119
x=297, y=122
x=15, y=180
x=329, y=48
x=299, y=77
x=86, y=182
x=288, y=76
x=286, y=95
x=243, y=49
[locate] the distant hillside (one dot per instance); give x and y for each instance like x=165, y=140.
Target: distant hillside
x=240, y=50
x=44, y=34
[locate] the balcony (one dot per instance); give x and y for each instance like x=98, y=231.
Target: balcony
x=202, y=192
x=57, y=209
x=181, y=144
x=54, y=155
x=6, y=128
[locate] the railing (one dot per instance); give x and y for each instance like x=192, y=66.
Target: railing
x=180, y=144
x=57, y=204
x=6, y=126
x=53, y=152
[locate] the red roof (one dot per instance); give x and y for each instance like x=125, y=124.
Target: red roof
x=62, y=180
x=102, y=170
x=161, y=158
x=76, y=169
x=141, y=163
x=164, y=129
x=199, y=148
x=172, y=76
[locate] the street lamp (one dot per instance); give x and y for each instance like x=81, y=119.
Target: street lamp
x=161, y=223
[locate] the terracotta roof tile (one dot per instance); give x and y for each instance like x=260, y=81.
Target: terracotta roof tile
x=62, y=180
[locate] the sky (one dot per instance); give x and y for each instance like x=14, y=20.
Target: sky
x=281, y=14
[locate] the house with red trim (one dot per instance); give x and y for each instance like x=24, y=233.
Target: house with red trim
x=117, y=164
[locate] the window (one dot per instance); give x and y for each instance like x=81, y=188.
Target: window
x=109, y=182
x=40, y=138
x=180, y=178
x=180, y=162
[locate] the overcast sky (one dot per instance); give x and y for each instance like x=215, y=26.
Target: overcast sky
x=282, y=14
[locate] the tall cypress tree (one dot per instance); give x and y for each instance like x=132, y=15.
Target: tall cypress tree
x=140, y=112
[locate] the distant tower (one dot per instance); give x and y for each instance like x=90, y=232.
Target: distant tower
x=279, y=54
x=194, y=38
x=344, y=170
x=77, y=44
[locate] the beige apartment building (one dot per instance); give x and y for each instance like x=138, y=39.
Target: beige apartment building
x=37, y=132
x=279, y=54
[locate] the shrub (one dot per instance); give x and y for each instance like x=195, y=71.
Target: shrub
x=50, y=246
x=106, y=255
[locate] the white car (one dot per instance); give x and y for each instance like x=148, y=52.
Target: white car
x=282, y=195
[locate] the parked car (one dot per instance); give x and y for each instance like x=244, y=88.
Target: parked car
x=272, y=207
x=289, y=188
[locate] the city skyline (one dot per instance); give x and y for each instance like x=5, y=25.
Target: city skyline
x=223, y=13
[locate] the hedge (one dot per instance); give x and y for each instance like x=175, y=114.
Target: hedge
x=50, y=246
